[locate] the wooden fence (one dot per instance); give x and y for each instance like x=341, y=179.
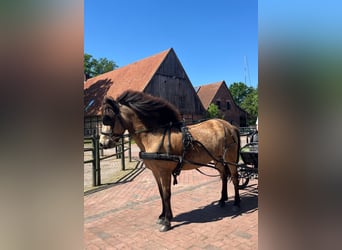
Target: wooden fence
x=97, y=154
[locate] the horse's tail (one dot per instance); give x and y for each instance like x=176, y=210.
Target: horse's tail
x=237, y=132
x=233, y=132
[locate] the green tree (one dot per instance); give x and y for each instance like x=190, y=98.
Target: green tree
x=94, y=67
x=213, y=111
x=250, y=105
x=239, y=91
x=246, y=98
x=88, y=66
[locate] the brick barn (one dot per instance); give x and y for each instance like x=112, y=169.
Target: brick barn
x=219, y=94
x=160, y=75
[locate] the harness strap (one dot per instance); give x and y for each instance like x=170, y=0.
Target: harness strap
x=158, y=156
x=187, y=142
x=175, y=158
x=162, y=141
x=177, y=170
x=169, y=139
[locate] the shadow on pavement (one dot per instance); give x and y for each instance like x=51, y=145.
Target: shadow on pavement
x=213, y=212
x=130, y=176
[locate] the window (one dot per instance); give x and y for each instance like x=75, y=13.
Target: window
x=92, y=125
x=228, y=105
x=218, y=104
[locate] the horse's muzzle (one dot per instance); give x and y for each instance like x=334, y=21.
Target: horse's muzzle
x=108, y=142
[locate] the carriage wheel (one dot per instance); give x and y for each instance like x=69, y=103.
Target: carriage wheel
x=243, y=182
x=243, y=179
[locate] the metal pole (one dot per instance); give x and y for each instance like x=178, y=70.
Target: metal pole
x=97, y=160
x=129, y=148
x=117, y=151
x=122, y=153
x=93, y=161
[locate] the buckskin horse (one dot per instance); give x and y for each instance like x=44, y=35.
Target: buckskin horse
x=168, y=145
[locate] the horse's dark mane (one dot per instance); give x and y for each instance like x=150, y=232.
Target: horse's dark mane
x=152, y=111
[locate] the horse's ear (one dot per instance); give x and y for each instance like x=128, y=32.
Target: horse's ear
x=109, y=109
x=112, y=103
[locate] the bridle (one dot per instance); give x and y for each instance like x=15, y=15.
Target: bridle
x=112, y=126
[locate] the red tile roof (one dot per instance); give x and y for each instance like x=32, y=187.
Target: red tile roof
x=134, y=76
x=207, y=93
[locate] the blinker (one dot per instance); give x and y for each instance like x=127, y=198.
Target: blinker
x=106, y=120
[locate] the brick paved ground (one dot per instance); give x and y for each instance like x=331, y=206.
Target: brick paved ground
x=111, y=168
x=124, y=215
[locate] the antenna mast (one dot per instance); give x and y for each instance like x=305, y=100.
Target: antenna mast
x=247, y=71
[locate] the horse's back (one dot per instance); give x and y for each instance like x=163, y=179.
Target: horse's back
x=216, y=127
x=219, y=137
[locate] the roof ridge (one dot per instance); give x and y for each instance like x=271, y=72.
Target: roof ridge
x=213, y=83
x=137, y=61
x=134, y=76
x=148, y=57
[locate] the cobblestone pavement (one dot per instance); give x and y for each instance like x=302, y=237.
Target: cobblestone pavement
x=123, y=216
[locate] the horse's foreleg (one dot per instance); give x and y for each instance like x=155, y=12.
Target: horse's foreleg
x=163, y=179
x=166, y=189
x=160, y=189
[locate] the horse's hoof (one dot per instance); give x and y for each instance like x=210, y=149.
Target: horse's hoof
x=222, y=203
x=160, y=221
x=164, y=228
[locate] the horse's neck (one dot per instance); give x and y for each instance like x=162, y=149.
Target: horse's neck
x=130, y=119
x=135, y=127
x=148, y=140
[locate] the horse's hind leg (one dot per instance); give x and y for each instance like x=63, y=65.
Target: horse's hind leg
x=224, y=191
x=235, y=180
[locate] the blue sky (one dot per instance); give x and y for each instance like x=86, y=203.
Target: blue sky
x=214, y=40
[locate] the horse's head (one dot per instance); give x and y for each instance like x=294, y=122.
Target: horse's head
x=112, y=126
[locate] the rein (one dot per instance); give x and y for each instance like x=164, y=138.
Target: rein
x=168, y=125
x=111, y=134
x=209, y=175
x=171, y=124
